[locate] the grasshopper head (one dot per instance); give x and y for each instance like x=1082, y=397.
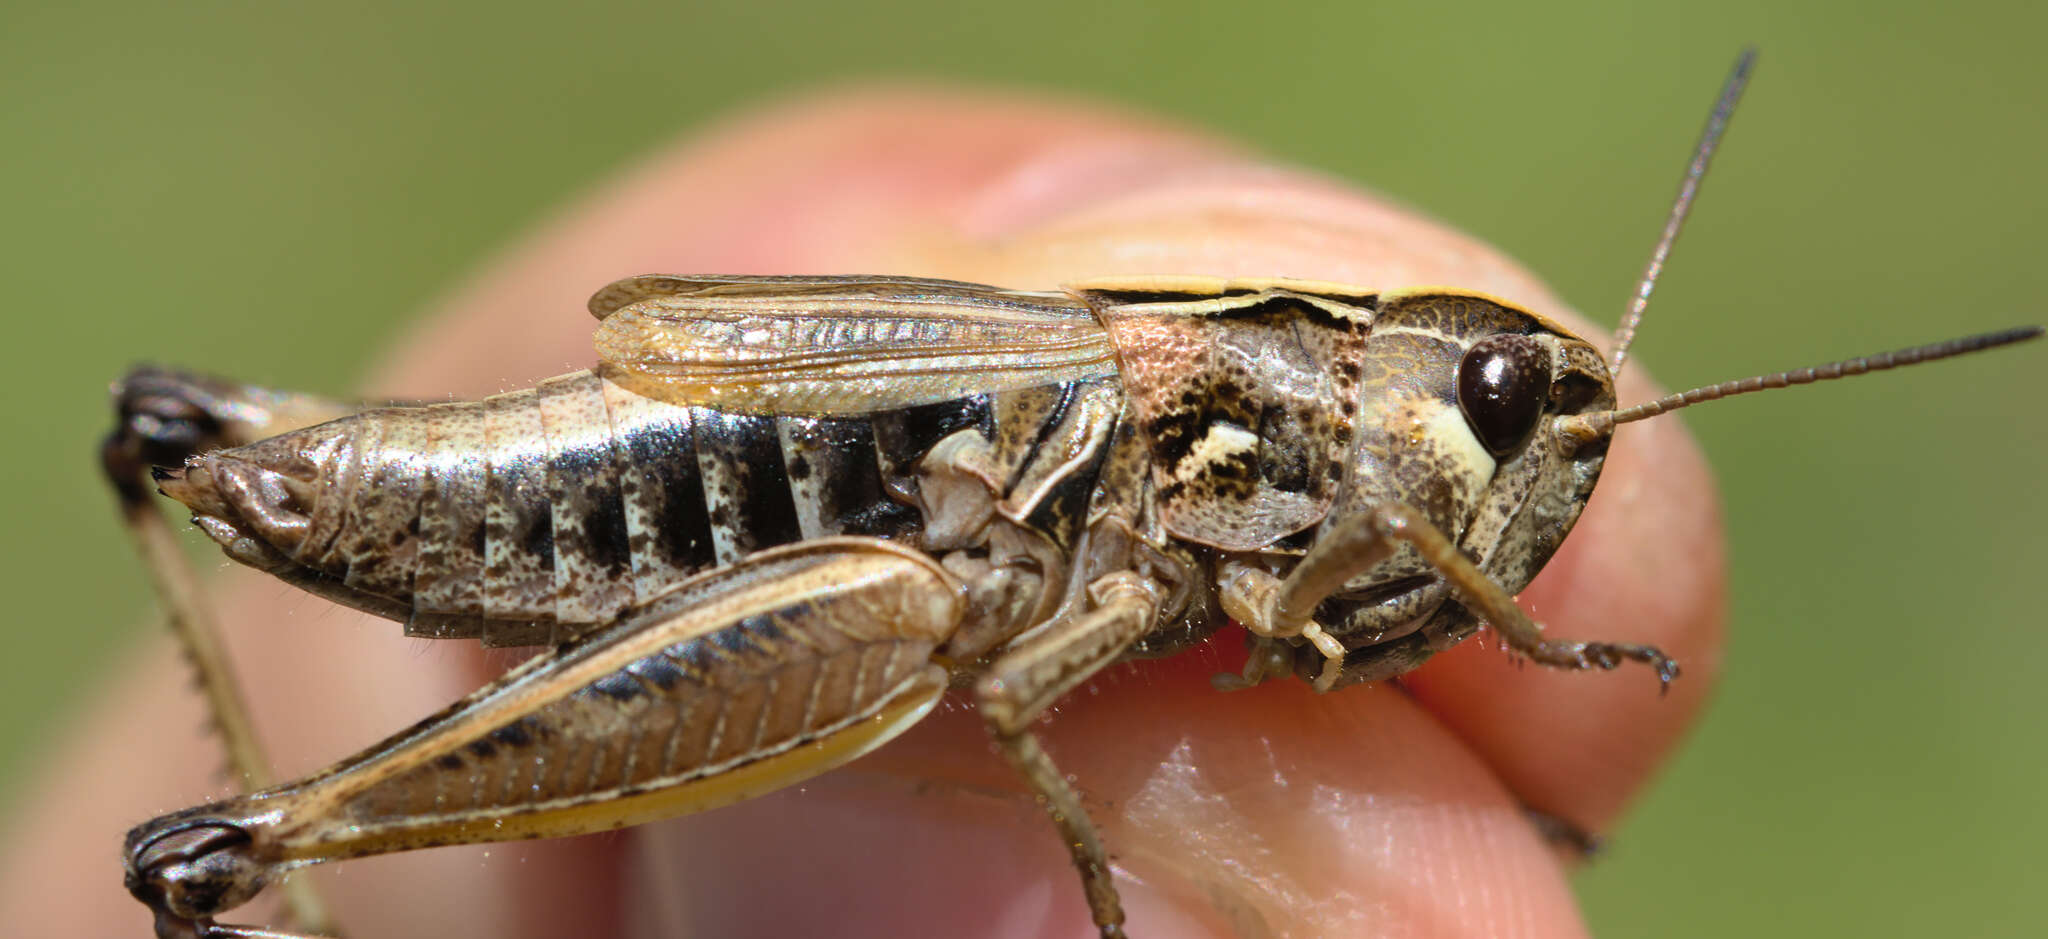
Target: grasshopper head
x=1492, y=425
x=1466, y=410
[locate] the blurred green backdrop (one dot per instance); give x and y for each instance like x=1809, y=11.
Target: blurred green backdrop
x=1874, y=763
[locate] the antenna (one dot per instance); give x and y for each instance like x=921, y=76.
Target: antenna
x=1600, y=424
x=1710, y=138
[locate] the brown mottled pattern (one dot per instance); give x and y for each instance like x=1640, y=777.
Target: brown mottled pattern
x=519, y=554
x=1247, y=402
x=592, y=559
x=382, y=544
x=451, y=560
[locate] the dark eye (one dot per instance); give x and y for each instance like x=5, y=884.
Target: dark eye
x=1502, y=384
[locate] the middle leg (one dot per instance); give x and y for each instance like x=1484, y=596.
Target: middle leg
x=1028, y=678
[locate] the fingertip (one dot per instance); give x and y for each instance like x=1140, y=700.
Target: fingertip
x=1273, y=811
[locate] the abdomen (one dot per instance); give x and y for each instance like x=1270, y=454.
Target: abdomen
x=532, y=516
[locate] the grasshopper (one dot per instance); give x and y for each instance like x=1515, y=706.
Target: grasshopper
x=784, y=515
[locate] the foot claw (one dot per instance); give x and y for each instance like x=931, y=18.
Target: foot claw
x=1607, y=656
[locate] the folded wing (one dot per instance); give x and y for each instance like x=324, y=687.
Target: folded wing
x=827, y=346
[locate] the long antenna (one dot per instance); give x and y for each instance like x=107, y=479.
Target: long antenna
x=1710, y=138
x=1600, y=424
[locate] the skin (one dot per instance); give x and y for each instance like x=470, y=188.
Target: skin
x=1384, y=810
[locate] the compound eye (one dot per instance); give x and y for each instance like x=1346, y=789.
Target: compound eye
x=1503, y=383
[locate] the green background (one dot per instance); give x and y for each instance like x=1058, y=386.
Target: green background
x=1875, y=760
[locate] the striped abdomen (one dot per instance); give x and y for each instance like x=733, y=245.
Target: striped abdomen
x=532, y=515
